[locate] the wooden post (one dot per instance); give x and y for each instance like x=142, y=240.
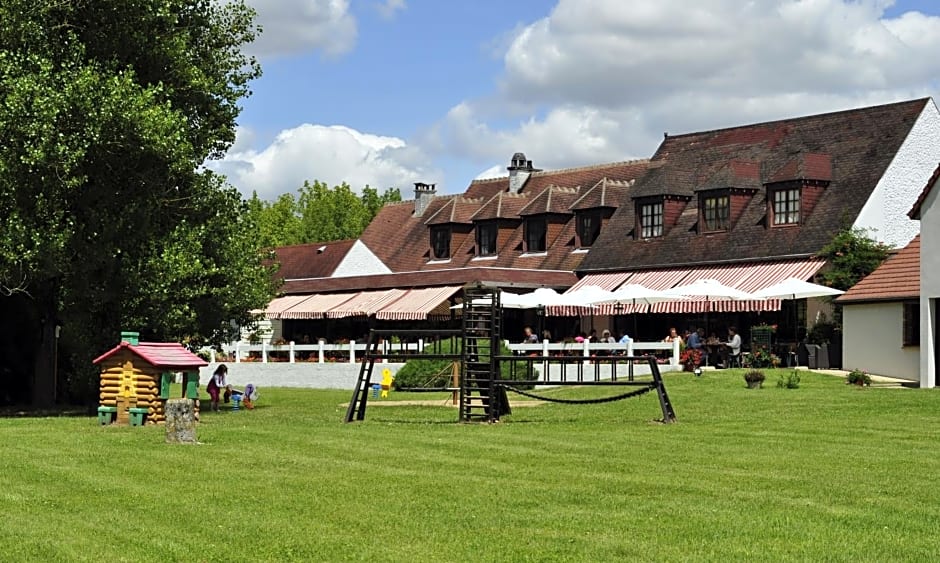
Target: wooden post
x=455, y=379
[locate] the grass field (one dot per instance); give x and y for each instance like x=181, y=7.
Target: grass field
x=823, y=472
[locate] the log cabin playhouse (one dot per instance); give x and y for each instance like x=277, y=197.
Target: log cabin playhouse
x=136, y=377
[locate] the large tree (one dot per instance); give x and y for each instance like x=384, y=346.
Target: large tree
x=108, y=108
x=318, y=214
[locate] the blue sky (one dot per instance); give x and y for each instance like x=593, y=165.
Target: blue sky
x=391, y=92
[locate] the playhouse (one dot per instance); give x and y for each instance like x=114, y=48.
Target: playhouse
x=136, y=378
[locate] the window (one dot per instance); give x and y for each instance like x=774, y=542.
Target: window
x=486, y=239
x=912, y=324
x=787, y=206
x=440, y=242
x=715, y=213
x=589, y=227
x=651, y=220
x=535, y=231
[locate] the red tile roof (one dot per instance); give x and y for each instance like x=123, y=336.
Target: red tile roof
x=553, y=199
x=314, y=260
x=158, y=354
x=605, y=193
x=852, y=148
x=914, y=213
x=898, y=278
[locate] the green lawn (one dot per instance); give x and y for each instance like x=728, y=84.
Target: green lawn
x=823, y=472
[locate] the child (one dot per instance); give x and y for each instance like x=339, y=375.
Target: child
x=217, y=382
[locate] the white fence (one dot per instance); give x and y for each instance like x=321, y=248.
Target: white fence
x=349, y=352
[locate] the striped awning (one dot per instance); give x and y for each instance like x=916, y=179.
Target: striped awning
x=748, y=277
x=365, y=304
x=280, y=304
x=316, y=306
x=609, y=281
x=419, y=304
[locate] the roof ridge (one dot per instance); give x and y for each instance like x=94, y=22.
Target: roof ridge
x=316, y=243
x=798, y=118
x=571, y=169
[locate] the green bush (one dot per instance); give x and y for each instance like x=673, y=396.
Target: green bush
x=789, y=381
x=761, y=357
x=858, y=377
x=438, y=373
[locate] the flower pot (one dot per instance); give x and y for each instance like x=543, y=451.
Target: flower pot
x=754, y=384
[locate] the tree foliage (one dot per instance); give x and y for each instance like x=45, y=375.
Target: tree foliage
x=318, y=214
x=108, y=110
x=851, y=256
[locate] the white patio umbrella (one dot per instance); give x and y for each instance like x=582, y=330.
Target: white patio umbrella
x=711, y=290
x=795, y=288
x=634, y=294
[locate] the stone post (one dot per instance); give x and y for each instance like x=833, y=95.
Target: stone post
x=180, y=421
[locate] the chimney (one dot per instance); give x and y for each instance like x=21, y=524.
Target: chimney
x=519, y=171
x=130, y=337
x=424, y=193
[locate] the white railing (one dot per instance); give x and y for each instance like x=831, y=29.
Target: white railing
x=321, y=350
x=349, y=352
x=588, y=348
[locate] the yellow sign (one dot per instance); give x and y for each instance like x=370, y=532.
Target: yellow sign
x=128, y=384
x=387, y=378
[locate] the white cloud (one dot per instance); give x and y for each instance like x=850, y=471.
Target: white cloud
x=389, y=8
x=298, y=26
x=601, y=80
x=331, y=154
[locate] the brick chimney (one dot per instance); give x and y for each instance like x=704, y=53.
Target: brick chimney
x=424, y=193
x=519, y=171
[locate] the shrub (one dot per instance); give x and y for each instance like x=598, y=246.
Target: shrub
x=858, y=377
x=754, y=378
x=438, y=373
x=690, y=359
x=789, y=381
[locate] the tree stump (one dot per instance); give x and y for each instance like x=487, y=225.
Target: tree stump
x=180, y=421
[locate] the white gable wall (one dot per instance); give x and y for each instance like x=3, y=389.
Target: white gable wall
x=361, y=261
x=885, y=212
x=929, y=286
x=873, y=338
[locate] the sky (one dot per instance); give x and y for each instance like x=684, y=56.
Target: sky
x=387, y=93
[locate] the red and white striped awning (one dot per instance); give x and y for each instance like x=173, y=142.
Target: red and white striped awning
x=316, y=306
x=419, y=304
x=748, y=277
x=365, y=304
x=280, y=304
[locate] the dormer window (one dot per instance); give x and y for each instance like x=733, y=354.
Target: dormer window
x=486, y=238
x=651, y=220
x=588, y=226
x=535, y=231
x=786, y=206
x=716, y=212
x=440, y=242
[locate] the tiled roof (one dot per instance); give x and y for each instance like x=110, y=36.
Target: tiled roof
x=158, y=354
x=402, y=241
x=553, y=199
x=458, y=210
x=805, y=166
x=315, y=260
x=914, y=213
x=896, y=279
x=502, y=277
x=605, y=193
x=736, y=174
x=860, y=145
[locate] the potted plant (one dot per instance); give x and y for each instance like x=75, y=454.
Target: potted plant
x=858, y=377
x=754, y=378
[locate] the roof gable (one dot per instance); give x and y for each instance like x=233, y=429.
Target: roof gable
x=313, y=260
x=915, y=212
x=604, y=193
x=553, y=199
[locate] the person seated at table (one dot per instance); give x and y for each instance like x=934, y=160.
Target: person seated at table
x=732, y=347
x=673, y=336
x=606, y=337
x=696, y=339
x=529, y=337
x=546, y=334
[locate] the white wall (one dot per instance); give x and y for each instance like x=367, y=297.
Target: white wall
x=929, y=286
x=873, y=334
x=360, y=261
x=886, y=210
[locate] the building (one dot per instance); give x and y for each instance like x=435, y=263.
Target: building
x=927, y=211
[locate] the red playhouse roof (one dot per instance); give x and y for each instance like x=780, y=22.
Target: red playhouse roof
x=159, y=354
